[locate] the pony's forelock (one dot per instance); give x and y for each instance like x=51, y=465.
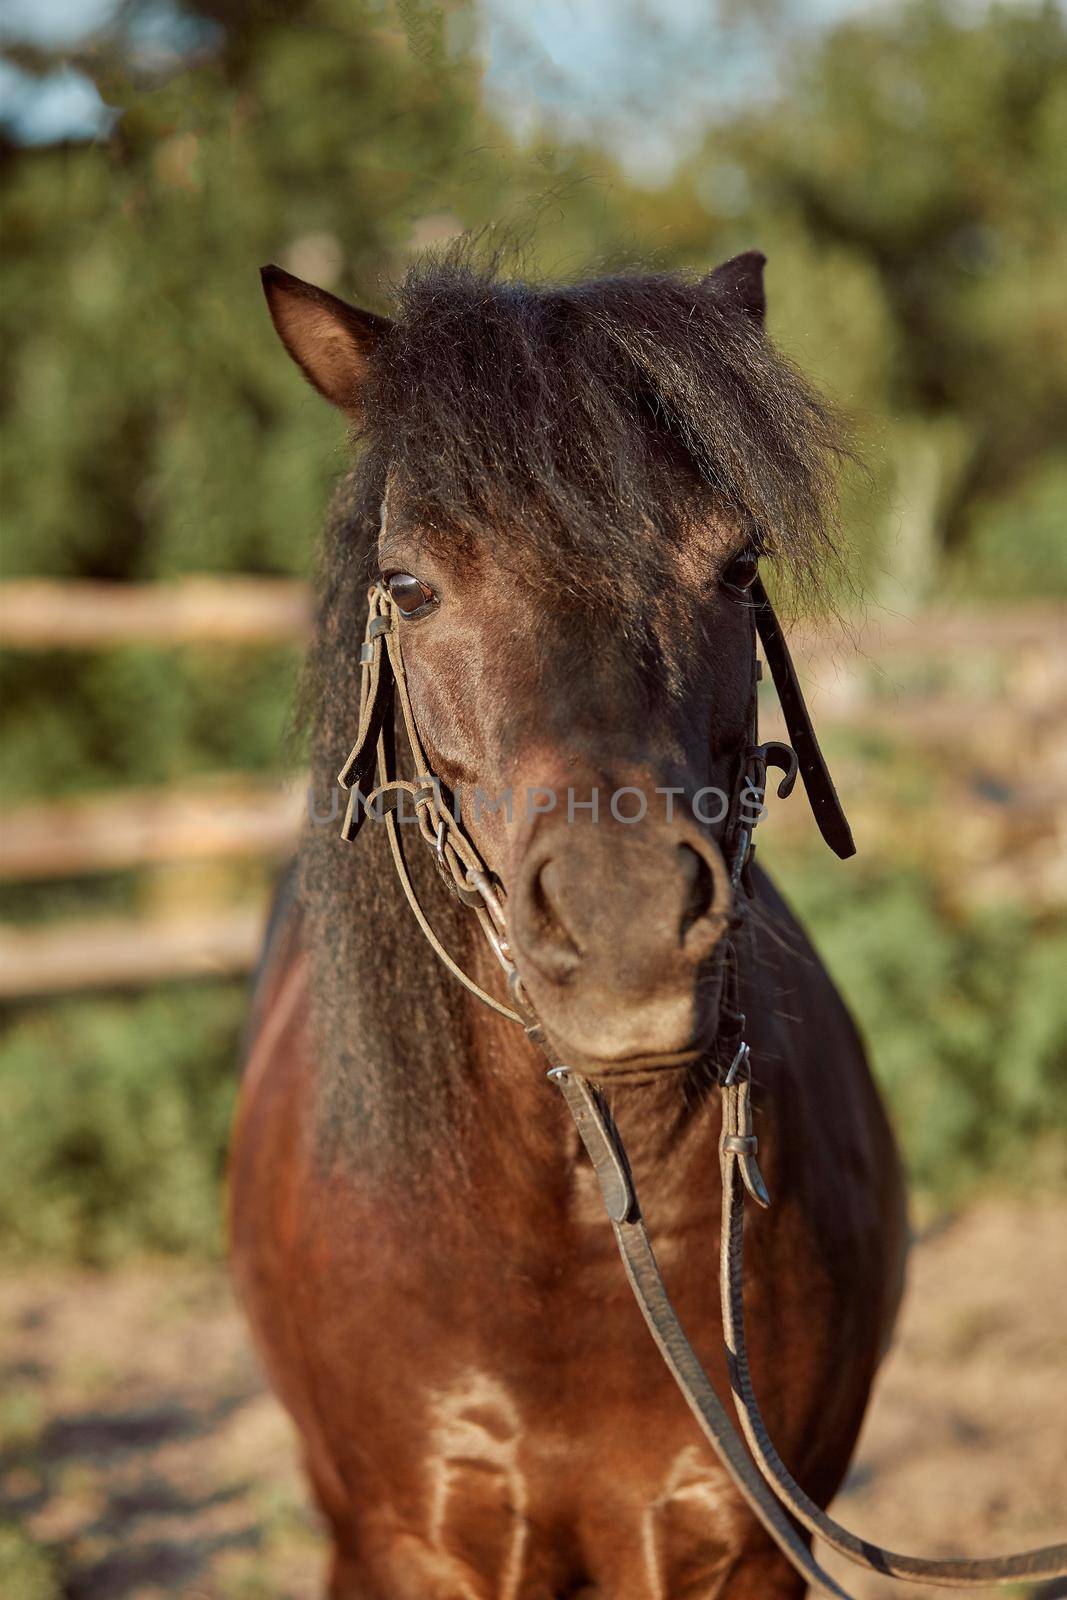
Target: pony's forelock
x=578, y=425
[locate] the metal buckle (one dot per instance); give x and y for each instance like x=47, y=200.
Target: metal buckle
x=740, y=1061
x=776, y=753
x=755, y=789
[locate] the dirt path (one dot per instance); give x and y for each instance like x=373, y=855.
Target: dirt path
x=140, y=1456
x=965, y=1447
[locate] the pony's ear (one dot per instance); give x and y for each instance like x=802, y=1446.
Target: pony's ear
x=739, y=283
x=331, y=342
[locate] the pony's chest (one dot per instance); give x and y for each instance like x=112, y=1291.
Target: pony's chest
x=516, y=1498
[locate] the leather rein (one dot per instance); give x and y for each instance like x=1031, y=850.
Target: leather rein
x=761, y=1477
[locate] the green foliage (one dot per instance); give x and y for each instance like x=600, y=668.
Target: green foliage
x=142, y=716
x=27, y=1571
x=117, y=1115
x=925, y=145
x=1018, y=549
x=965, y=1016
x=154, y=427
x=907, y=183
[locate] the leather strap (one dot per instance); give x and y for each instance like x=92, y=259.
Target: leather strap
x=396, y=846
x=828, y=810
x=384, y=682
x=1030, y=1566
x=601, y=1139
x=376, y=696
x=738, y=1146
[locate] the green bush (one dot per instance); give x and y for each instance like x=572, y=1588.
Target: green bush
x=117, y=1114
x=965, y=1015
x=78, y=722
x=27, y=1569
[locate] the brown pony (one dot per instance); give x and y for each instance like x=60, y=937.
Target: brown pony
x=578, y=484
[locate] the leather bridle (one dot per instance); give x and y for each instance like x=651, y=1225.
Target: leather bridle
x=768, y=1490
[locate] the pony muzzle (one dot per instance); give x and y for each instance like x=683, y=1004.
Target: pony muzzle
x=613, y=930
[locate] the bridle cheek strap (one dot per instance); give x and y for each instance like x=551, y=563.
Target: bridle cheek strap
x=383, y=685
x=376, y=698
x=826, y=807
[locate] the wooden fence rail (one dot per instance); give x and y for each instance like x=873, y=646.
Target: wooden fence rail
x=215, y=819
x=113, y=952
x=41, y=614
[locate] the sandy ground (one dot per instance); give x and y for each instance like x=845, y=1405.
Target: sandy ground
x=141, y=1457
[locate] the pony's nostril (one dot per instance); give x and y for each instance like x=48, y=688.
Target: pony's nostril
x=700, y=897
x=545, y=934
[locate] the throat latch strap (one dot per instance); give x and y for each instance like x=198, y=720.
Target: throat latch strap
x=828, y=810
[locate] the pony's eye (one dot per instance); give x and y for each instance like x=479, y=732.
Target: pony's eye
x=409, y=594
x=742, y=572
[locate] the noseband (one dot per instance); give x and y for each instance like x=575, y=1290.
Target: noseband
x=383, y=683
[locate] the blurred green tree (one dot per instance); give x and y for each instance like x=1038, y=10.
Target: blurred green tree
x=927, y=144
x=151, y=427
